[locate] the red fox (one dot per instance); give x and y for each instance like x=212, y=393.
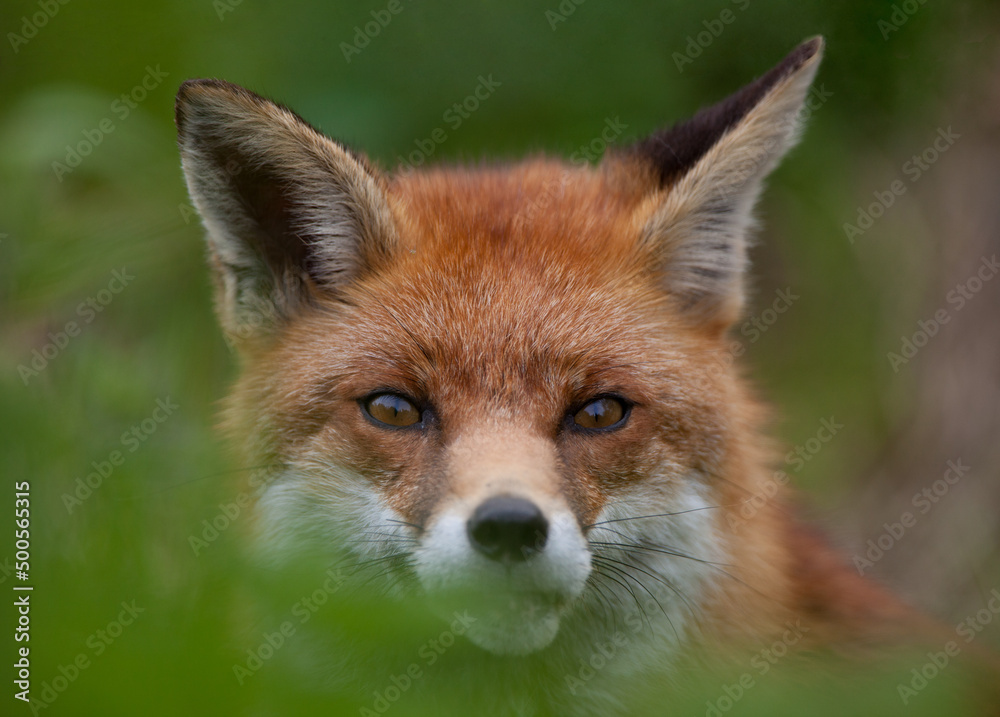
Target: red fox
x=511, y=385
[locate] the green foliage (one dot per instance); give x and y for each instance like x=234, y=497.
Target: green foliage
x=64, y=232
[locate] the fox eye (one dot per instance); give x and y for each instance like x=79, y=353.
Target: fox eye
x=391, y=409
x=604, y=412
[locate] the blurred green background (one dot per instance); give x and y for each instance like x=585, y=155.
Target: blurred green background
x=895, y=74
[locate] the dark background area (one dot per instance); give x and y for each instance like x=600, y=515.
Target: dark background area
x=897, y=76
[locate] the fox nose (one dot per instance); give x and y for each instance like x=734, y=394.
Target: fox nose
x=508, y=529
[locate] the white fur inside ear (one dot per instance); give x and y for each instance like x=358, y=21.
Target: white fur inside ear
x=701, y=226
x=284, y=206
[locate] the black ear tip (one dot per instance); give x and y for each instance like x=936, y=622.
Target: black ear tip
x=811, y=49
x=186, y=93
x=197, y=91
x=191, y=89
x=180, y=104
x=817, y=41
x=808, y=50
x=674, y=151
x=197, y=84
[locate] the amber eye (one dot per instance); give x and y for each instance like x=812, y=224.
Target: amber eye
x=392, y=410
x=601, y=413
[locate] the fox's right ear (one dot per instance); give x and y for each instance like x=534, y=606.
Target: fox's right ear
x=290, y=213
x=704, y=176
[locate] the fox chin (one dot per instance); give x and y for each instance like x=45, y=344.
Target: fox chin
x=509, y=386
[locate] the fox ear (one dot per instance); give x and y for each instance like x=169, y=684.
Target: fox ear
x=290, y=213
x=707, y=173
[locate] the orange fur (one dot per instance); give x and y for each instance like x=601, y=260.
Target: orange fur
x=504, y=322
x=499, y=300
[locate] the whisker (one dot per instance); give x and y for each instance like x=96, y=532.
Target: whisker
x=376, y=576
x=627, y=589
x=629, y=576
x=603, y=600
x=419, y=528
x=715, y=566
x=658, y=549
x=387, y=540
x=676, y=553
x=655, y=515
x=394, y=534
x=659, y=578
x=750, y=494
x=374, y=562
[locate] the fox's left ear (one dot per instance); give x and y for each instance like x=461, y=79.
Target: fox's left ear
x=291, y=214
x=705, y=175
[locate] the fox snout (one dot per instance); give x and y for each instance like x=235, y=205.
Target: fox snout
x=505, y=543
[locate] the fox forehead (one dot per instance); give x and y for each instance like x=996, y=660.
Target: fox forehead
x=505, y=290
x=533, y=214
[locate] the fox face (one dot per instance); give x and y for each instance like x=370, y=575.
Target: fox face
x=507, y=384
x=515, y=409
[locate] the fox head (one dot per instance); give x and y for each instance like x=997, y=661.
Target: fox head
x=509, y=382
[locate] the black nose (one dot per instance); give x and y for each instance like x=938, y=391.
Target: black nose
x=508, y=528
